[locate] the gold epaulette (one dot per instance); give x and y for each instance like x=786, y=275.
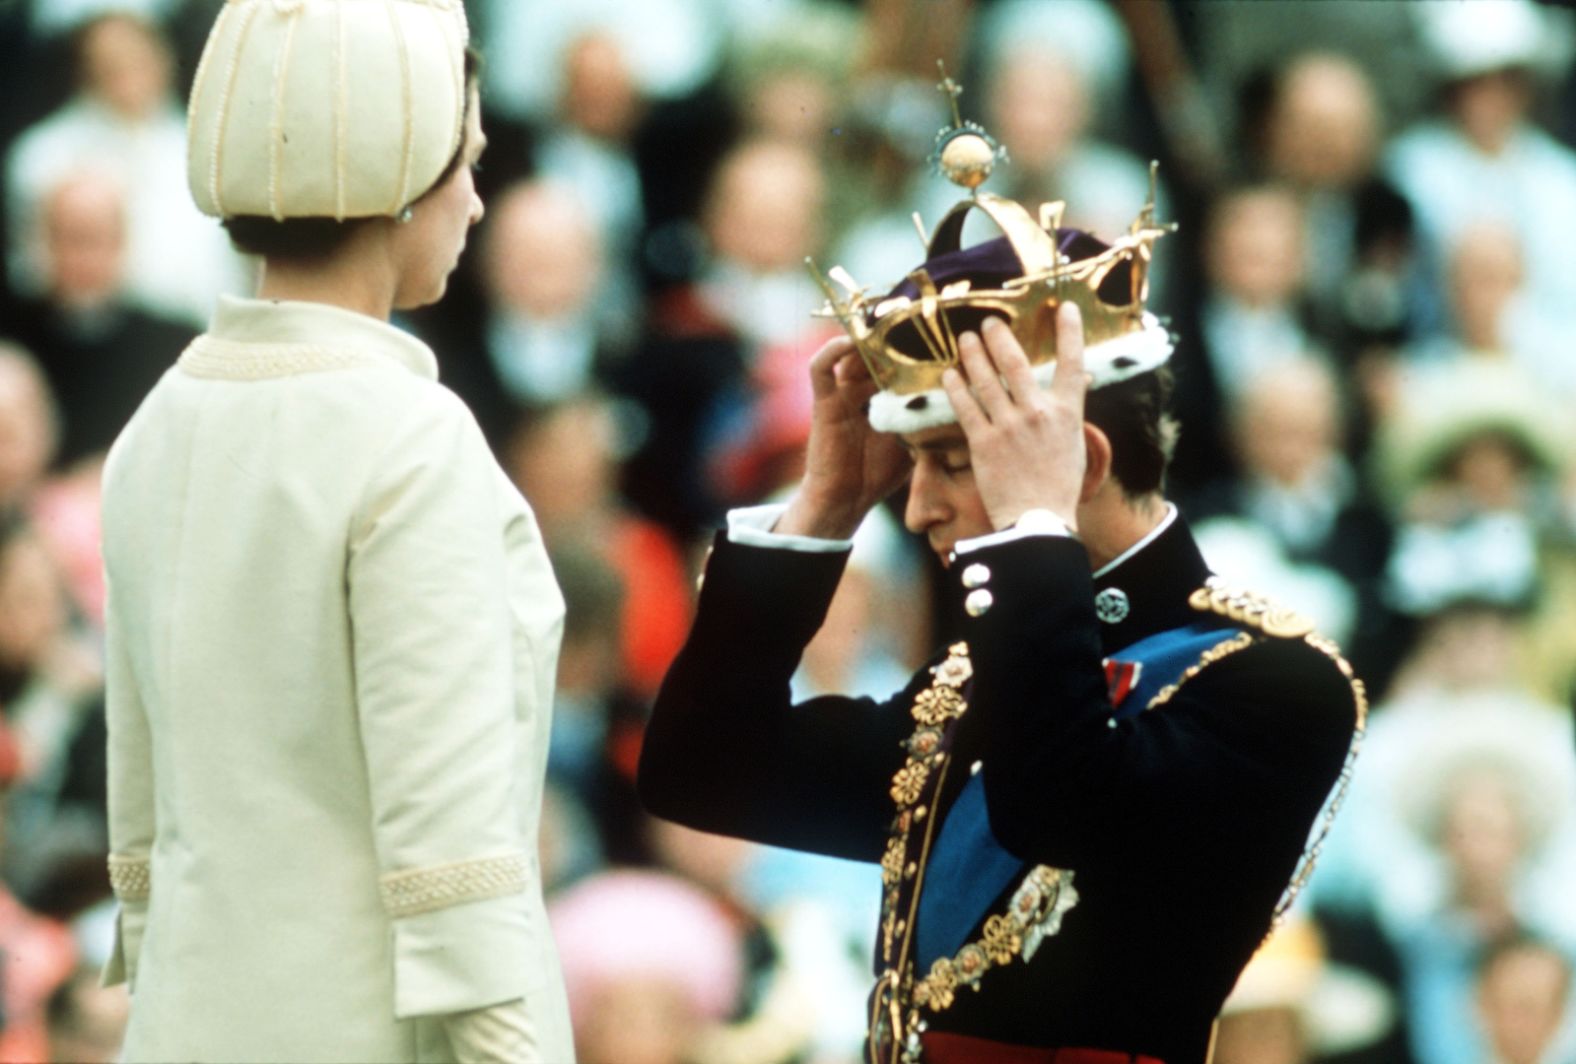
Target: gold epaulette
x=1251, y=610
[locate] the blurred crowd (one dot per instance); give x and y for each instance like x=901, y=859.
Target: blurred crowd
x=1376, y=327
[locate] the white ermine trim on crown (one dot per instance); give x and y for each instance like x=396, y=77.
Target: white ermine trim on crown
x=425, y=890
x=226, y=360
x=1108, y=363
x=130, y=877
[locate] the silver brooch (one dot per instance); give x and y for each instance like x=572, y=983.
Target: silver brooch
x=1111, y=605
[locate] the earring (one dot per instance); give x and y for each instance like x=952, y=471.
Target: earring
x=404, y=216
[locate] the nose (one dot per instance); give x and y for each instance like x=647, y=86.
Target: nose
x=478, y=208
x=925, y=508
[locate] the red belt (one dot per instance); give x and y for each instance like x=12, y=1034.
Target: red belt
x=944, y=1048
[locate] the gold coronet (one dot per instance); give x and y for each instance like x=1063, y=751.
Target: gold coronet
x=927, y=340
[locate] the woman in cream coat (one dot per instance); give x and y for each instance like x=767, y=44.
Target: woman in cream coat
x=333, y=630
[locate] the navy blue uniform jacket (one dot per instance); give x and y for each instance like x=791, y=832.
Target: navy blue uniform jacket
x=1183, y=825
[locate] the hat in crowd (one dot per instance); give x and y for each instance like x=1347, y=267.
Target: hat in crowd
x=1448, y=406
x=1521, y=745
x=633, y=925
x=1340, y=1008
x=1469, y=38
x=908, y=336
x=326, y=108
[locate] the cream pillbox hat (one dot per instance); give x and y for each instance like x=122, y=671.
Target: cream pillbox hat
x=326, y=108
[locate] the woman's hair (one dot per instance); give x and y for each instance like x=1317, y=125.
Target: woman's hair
x=307, y=240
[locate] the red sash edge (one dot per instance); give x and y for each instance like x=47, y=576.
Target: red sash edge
x=942, y=1047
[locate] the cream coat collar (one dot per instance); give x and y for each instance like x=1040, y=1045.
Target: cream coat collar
x=318, y=325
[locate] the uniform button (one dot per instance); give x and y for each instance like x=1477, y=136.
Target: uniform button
x=978, y=602
x=976, y=575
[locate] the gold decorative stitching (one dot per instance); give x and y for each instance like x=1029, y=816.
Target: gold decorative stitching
x=1240, y=641
x=131, y=878
x=423, y=890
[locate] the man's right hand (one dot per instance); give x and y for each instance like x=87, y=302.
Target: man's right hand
x=849, y=466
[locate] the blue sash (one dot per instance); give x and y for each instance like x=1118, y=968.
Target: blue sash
x=968, y=869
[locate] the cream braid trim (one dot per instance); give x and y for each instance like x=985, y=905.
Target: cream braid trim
x=215, y=359
x=130, y=877
x=425, y=890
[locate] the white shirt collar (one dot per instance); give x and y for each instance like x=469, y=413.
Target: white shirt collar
x=1154, y=533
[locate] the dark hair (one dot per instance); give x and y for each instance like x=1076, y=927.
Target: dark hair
x=1134, y=415
x=309, y=240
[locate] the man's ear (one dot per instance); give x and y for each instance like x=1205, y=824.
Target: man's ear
x=1097, y=461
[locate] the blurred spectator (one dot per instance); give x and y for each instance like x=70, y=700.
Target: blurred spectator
x=125, y=121
x=100, y=353
x=27, y=426
x=565, y=459
x=672, y=46
x=1040, y=100
x=1492, y=314
x=598, y=721
x=50, y=688
x=1296, y=522
x=590, y=150
x=802, y=976
x=790, y=78
x=1483, y=158
x=649, y=961
x=1316, y=126
x=38, y=953
x=87, y=1021
x=1488, y=806
x=546, y=331
x=1251, y=315
x=1524, y=1002
x=1473, y=463
x=1292, y=1006
x=762, y=219
x=692, y=374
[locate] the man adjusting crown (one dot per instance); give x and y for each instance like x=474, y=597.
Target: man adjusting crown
x=1090, y=809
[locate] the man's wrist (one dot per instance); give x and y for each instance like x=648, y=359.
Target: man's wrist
x=803, y=517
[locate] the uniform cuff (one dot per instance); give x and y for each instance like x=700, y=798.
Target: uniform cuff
x=751, y=526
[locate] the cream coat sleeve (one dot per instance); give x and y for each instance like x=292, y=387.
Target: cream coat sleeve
x=435, y=697
x=131, y=810
x=498, y=1034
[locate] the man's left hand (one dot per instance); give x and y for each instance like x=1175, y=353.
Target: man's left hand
x=1026, y=443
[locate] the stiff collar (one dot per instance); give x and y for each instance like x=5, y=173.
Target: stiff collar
x=263, y=321
x=1145, y=590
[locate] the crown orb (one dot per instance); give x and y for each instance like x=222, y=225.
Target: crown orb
x=967, y=160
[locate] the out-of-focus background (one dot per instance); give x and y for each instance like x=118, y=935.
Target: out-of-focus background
x=1373, y=291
